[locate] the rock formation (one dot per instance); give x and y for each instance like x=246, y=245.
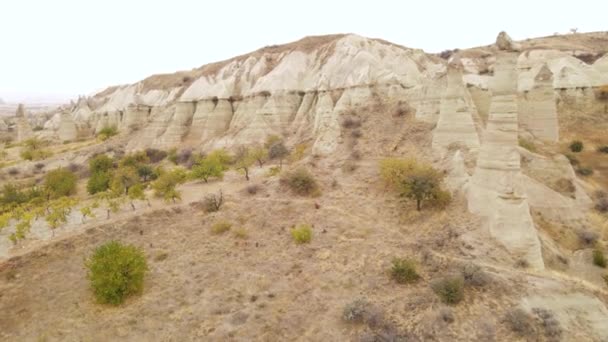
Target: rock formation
x=496, y=190
x=67, y=128
x=24, y=130
x=538, y=109
x=455, y=123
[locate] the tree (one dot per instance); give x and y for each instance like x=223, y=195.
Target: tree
x=136, y=192
x=99, y=182
x=165, y=185
x=259, y=154
x=23, y=226
x=86, y=211
x=244, y=160
x=146, y=173
x=278, y=151
x=124, y=178
x=134, y=160
x=58, y=214
x=116, y=271
x=100, y=163
x=420, y=184
x=208, y=167
x=60, y=182
x=222, y=156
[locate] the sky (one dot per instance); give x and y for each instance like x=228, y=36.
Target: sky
x=56, y=50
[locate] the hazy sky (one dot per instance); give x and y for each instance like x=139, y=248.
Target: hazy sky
x=62, y=48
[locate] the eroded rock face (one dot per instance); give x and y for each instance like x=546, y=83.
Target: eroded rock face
x=455, y=124
x=67, y=128
x=505, y=43
x=496, y=189
x=538, y=108
x=24, y=130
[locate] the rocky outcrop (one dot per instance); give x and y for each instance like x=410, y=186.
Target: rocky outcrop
x=67, y=128
x=455, y=123
x=538, y=110
x=496, y=189
x=24, y=130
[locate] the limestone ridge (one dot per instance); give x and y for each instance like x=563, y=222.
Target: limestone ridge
x=24, y=130
x=496, y=188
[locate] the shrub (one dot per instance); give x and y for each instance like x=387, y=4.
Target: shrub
x=278, y=151
x=601, y=205
x=584, y=171
x=241, y=233
x=60, y=182
x=519, y=321
x=606, y=279
x=572, y=159
x=220, y=227
x=603, y=149
x=273, y=171
x=99, y=182
x=587, y=237
x=13, y=171
x=206, y=168
x=599, y=259
x=527, y=144
x=100, y=163
x=576, y=146
x=155, y=155
x=116, y=271
x=252, y=189
x=550, y=324
x=39, y=166
x=355, y=311
x=403, y=271
x=412, y=180
x=301, y=182
x=302, y=234
x=450, y=288
x=473, y=275
x=107, y=132
x=213, y=202
x=350, y=122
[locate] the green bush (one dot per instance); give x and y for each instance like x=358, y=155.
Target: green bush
x=584, y=171
x=527, y=144
x=107, y=132
x=60, y=182
x=302, y=234
x=450, y=288
x=221, y=227
x=301, y=182
x=599, y=259
x=603, y=149
x=116, y=271
x=403, y=271
x=100, y=163
x=576, y=146
x=99, y=182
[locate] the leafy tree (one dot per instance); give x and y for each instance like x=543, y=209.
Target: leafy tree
x=222, y=156
x=244, y=160
x=136, y=192
x=208, y=167
x=259, y=154
x=124, y=178
x=86, y=211
x=271, y=140
x=165, y=185
x=58, y=213
x=146, y=173
x=99, y=182
x=134, y=160
x=100, y=163
x=107, y=132
x=116, y=271
x=60, y=182
x=22, y=228
x=278, y=151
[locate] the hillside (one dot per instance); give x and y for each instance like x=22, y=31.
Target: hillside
x=459, y=196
